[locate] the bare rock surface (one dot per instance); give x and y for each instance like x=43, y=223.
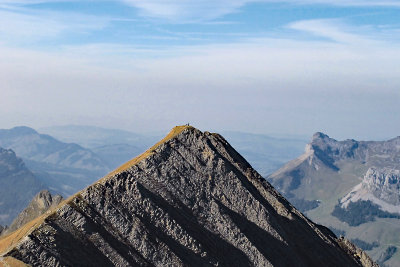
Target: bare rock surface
x=380, y=186
x=191, y=200
x=42, y=202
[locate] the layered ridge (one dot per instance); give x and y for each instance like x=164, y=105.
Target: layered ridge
x=189, y=200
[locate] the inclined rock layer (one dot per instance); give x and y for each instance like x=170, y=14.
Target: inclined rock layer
x=191, y=200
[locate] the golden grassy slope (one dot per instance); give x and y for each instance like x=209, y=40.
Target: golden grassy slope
x=10, y=261
x=174, y=132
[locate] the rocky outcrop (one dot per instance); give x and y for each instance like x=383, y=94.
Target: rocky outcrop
x=191, y=200
x=380, y=186
x=18, y=185
x=384, y=184
x=372, y=153
x=42, y=202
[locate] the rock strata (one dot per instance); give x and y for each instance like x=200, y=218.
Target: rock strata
x=191, y=200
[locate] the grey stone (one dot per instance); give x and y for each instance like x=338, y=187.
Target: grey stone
x=190, y=201
x=42, y=202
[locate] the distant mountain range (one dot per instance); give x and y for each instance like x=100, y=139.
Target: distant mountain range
x=18, y=185
x=351, y=186
x=190, y=200
x=62, y=167
x=265, y=153
x=94, y=137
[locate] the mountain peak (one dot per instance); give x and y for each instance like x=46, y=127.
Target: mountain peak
x=39, y=204
x=23, y=130
x=44, y=154
x=172, y=134
x=191, y=199
x=319, y=136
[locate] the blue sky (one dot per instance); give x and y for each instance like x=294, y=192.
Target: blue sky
x=261, y=66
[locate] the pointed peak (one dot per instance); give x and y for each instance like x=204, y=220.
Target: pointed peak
x=7, y=151
x=177, y=130
x=44, y=192
x=319, y=135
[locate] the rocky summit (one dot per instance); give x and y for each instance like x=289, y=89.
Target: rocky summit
x=190, y=200
x=42, y=202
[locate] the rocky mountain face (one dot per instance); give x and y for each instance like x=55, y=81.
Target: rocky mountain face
x=380, y=186
x=190, y=200
x=63, y=167
x=17, y=186
x=326, y=155
x=371, y=153
x=42, y=202
x=361, y=175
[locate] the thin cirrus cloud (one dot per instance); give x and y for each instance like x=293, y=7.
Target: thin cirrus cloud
x=290, y=70
x=19, y=25
x=181, y=11
x=192, y=10
x=262, y=73
x=331, y=29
